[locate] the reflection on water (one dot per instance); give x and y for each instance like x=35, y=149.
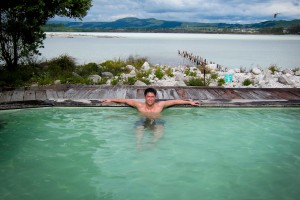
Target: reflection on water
x=90, y=153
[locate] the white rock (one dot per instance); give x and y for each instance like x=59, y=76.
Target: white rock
x=179, y=83
x=256, y=71
x=287, y=71
x=57, y=82
x=180, y=77
x=95, y=78
x=267, y=75
x=146, y=66
x=165, y=83
x=139, y=83
x=285, y=80
x=132, y=72
x=130, y=67
x=107, y=74
x=237, y=70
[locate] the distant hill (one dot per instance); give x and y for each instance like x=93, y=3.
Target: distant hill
x=151, y=24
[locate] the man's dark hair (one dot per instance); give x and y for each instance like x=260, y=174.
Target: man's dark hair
x=151, y=90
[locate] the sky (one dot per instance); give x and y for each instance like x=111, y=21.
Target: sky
x=214, y=11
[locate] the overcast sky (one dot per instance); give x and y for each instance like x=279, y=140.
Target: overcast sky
x=228, y=11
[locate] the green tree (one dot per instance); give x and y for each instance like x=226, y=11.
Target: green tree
x=21, y=23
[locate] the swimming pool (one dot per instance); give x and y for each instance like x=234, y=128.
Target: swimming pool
x=203, y=153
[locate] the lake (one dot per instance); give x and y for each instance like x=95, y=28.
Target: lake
x=228, y=50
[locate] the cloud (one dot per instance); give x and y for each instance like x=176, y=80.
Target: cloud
x=228, y=11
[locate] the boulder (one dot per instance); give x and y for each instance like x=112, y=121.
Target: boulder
x=130, y=67
x=165, y=83
x=287, y=71
x=256, y=71
x=267, y=76
x=285, y=80
x=57, y=82
x=146, y=66
x=139, y=83
x=237, y=70
x=107, y=74
x=180, y=77
x=95, y=78
x=297, y=73
x=132, y=72
x=179, y=83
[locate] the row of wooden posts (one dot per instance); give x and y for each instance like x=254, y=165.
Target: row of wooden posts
x=197, y=59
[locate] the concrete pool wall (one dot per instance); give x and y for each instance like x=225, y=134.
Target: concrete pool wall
x=89, y=95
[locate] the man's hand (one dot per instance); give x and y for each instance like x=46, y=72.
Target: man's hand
x=195, y=103
x=105, y=101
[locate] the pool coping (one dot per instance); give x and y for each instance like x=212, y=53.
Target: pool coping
x=90, y=96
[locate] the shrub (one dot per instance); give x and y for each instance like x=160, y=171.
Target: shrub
x=116, y=67
x=273, y=69
x=143, y=74
x=64, y=62
x=88, y=69
x=159, y=73
x=196, y=82
x=247, y=82
x=137, y=62
x=169, y=72
x=214, y=76
x=130, y=81
x=188, y=72
x=146, y=81
x=221, y=82
x=103, y=80
x=115, y=81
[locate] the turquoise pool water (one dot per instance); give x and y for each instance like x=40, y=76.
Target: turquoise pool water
x=92, y=153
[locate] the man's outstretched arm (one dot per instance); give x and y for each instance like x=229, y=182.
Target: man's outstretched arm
x=169, y=103
x=130, y=102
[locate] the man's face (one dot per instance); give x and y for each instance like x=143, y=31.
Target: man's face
x=150, y=98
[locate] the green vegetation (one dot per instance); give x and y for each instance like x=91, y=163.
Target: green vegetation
x=169, y=71
x=247, y=82
x=221, y=82
x=273, y=69
x=136, y=61
x=196, y=82
x=159, y=73
x=116, y=67
x=188, y=72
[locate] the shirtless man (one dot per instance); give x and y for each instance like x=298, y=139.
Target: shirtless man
x=150, y=110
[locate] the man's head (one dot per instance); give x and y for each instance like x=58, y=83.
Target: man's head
x=151, y=90
x=150, y=96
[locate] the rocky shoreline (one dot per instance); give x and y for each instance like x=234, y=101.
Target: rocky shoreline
x=233, y=78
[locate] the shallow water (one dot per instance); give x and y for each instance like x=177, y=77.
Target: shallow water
x=91, y=153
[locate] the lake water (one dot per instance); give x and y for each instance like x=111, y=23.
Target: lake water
x=204, y=153
x=228, y=50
